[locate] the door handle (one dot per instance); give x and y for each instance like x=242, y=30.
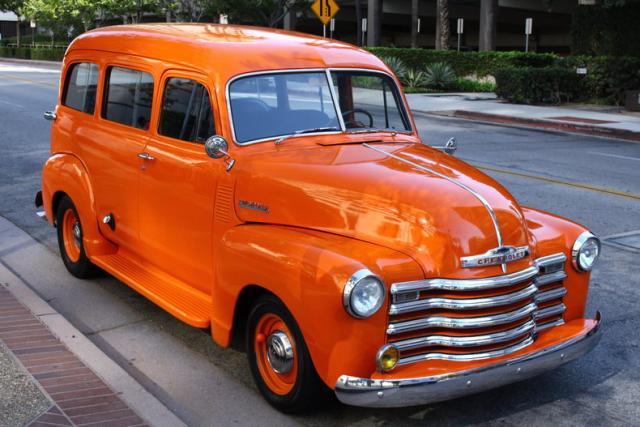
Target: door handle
x=146, y=156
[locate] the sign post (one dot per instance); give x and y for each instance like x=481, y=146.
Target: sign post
x=364, y=31
x=460, y=31
x=325, y=10
x=332, y=27
x=528, y=27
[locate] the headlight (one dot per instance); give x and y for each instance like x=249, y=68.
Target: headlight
x=363, y=294
x=585, y=252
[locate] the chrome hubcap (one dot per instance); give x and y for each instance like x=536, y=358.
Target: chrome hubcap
x=77, y=233
x=279, y=352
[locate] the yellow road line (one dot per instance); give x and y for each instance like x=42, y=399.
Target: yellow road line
x=22, y=79
x=560, y=182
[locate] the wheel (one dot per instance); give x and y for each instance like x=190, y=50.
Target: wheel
x=279, y=359
x=70, y=240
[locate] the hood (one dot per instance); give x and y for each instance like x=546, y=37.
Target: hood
x=407, y=197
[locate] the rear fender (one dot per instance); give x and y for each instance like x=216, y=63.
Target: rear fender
x=307, y=270
x=65, y=174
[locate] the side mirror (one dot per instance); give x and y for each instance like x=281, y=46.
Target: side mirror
x=450, y=147
x=216, y=147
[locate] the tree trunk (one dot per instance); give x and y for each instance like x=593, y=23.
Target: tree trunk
x=414, y=23
x=359, y=39
x=18, y=43
x=442, y=25
x=167, y=15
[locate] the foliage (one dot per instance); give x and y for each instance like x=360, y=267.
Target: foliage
x=42, y=54
x=548, y=85
x=439, y=75
x=413, y=78
x=467, y=85
x=608, y=77
x=465, y=63
x=268, y=13
x=396, y=65
x=602, y=30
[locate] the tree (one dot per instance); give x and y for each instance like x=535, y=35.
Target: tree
x=442, y=24
x=15, y=6
x=261, y=12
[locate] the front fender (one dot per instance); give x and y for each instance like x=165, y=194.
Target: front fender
x=65, y=173
x=307, y=270
x=554, y=234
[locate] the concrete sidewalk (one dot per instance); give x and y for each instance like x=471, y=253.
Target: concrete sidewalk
x=604, y=121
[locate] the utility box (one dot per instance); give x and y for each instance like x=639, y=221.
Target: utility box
x=632, y=100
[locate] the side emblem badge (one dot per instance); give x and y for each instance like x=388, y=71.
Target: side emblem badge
x=254, y=206
x=496, y=256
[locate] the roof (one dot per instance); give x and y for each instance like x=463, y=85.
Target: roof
x=226, y=50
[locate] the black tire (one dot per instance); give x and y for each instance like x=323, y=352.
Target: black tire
x=81, y=267
x=309, y=392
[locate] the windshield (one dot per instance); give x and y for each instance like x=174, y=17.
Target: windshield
x=279, y=104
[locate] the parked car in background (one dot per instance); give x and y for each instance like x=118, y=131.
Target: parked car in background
x=272, y=188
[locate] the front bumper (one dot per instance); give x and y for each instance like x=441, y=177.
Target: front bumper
x=390, y=393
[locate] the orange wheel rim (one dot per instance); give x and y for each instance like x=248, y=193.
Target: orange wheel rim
x=71, y=235
x=271, y=331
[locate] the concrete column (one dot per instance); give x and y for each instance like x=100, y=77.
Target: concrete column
x=488, y=22
x=414, y=23
x=289, y=21
x=374, y=22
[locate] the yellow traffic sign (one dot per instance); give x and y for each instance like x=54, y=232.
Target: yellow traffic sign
x=325, y=10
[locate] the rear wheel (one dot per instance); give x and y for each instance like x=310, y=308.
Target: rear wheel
x=279, y=360
x=70, y=240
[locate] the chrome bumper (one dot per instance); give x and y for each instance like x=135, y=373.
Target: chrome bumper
x=420, y=391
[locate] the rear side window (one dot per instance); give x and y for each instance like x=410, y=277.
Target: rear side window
x=82, y=84
x=128, y=97
x=186, y=111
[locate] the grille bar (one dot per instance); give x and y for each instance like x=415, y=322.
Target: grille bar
x=463, y=303
x=551, y=295
x=545, y=279
x=469, y=356
x=461, y=322
x=553, y=310
x=466, y=341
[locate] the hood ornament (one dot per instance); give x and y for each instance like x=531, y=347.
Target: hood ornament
x=500, y=255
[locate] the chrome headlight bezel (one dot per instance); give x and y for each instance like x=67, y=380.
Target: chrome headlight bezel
x=579, y=244
x=347, y=293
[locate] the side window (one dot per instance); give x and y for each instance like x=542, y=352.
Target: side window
x=128, y=97
x=186, y=111
x=81, y=87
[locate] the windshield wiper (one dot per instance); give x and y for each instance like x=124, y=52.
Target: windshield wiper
x=300, y=132
x=374, y=130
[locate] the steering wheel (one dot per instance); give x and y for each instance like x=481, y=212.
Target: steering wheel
x=359, y=110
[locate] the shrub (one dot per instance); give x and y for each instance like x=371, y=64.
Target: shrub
x=439, y=75
x=396, y=65
x=413, y=78
x=549, y=85
x=42, y=54
x=466, y=85
x=463, y=63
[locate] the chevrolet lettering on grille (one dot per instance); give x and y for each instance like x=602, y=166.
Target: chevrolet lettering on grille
x=496, y=256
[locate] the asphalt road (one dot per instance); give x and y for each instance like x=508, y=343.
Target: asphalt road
x=594, y=181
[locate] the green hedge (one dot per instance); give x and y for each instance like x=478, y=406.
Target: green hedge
x=465, y=63
x=42, y=54
x=549, y=85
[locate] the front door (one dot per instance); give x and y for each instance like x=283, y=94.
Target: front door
x=178, y=183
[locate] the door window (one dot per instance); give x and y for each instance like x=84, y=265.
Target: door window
x=186, y=111
x=81, y=87
x=128, y=98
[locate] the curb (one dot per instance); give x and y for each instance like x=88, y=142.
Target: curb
x=50, y=64
x=129, y=390
x=543, y=124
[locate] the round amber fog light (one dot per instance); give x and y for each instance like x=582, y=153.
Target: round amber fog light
x=387, y=358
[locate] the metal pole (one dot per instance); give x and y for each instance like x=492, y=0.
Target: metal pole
x=458, y=42
x=324, y=31
x=332, y=27
x=526, y=43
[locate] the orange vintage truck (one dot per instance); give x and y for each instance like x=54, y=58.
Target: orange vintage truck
x=272, y=188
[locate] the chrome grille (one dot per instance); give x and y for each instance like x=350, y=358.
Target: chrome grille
x=472, y=319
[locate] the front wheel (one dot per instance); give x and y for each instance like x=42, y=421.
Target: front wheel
x=279, y=360
x=70, y=240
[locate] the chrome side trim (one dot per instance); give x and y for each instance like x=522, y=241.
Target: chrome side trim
x=481, y=199
x=461, y=322
x=545, y=279
x=463, y=303
x=551, y=294
x=466, y=341
x=465, y=284
x=554, y=310
x=390, y=392
x=468, y=356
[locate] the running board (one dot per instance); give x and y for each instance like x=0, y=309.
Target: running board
x=182, y=301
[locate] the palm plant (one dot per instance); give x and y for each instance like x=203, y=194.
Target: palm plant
x=414, y=78
x=439, y=75
x=396, y=65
